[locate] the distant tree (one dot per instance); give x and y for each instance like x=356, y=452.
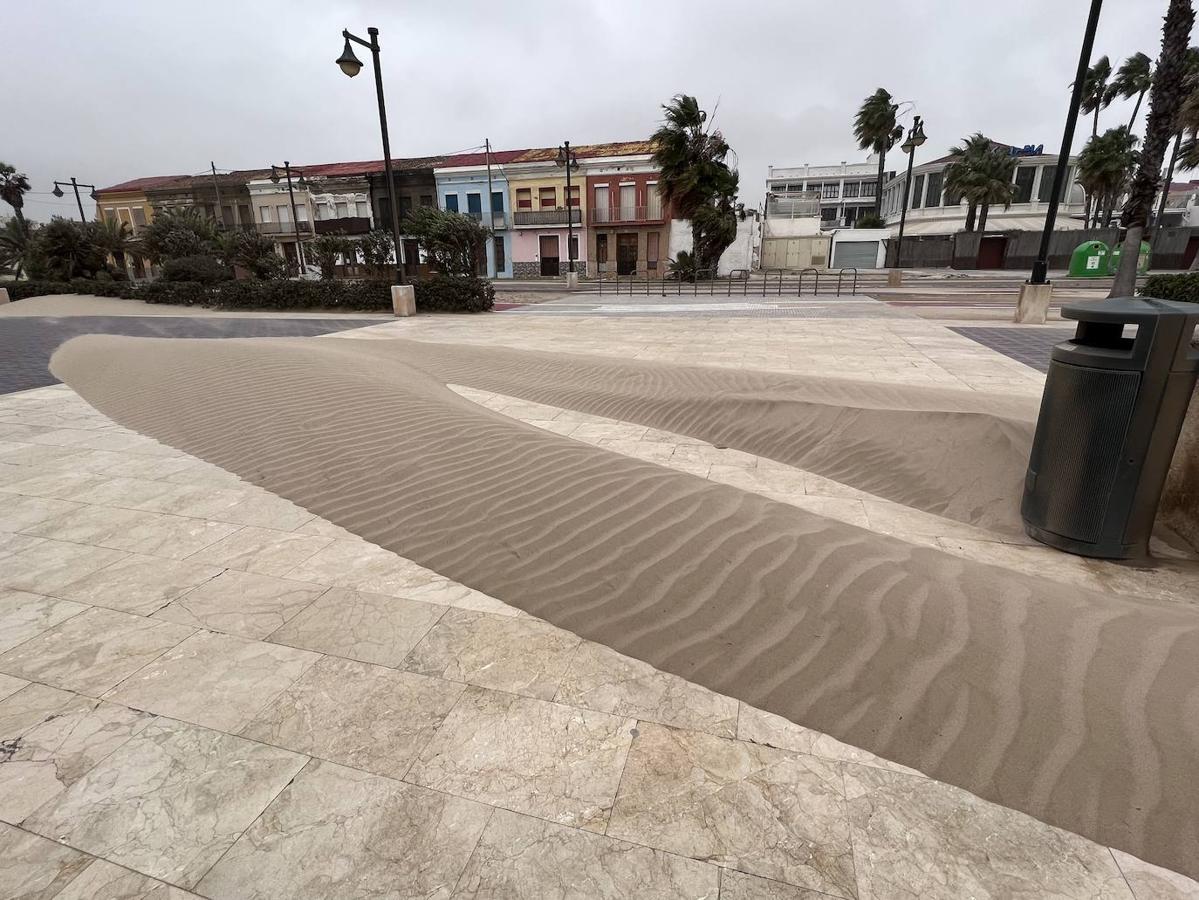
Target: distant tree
x=1166, y=98
x=1133, y=79
x=250, y=251
x=378, y=249
x=69, y=249
x=682, y=267
x=454, y=242
x=876, y=130
x=996, y=185
x=696, y=179
x=870, y=220
x=17, y=247
x=1104, y=167
x=14, y=186
x=324, y=250
x=1097, y=90
x=113, y=237
x=964, y=176
x=178, y=232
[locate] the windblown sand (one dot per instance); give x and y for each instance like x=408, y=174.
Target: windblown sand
x=1078, y=707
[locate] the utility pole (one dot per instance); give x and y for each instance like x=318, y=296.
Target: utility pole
x=220, y=219
x=489, y=252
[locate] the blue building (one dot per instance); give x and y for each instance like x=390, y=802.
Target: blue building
x=462, y=187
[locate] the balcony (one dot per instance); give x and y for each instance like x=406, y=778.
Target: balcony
x=499, y=218
x=344, y=225
x=535, y=217
x=626, y=215
x=284, y=227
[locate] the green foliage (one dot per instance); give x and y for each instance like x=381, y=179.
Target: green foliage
x=113, y=237
x=251, y=251
x=326, y=248
x=682, y=267
x=377, y=249
x=14, y=186
x=870, y=220
x=1134, y=79
x=21, y=290
x=981, y=171
x=65, y=249
x=1183, y=286
x=1097, y=90
x=200, y=269
x=177, y=232
x=696, y=179
x=452, y=241
x=1104, y=167
x=875, y=129
x=16, y=247
x=453, y=293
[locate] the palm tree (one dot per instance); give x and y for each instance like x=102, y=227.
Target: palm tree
x=1097, y=92
x=113, y=237
x=695, y=180
x=1134, y=79
x=875, y=129
x=1104, y=167
x=16, y=246
x=964, y=176
x=1165, y=101
x=14, y=186
x=995, y=181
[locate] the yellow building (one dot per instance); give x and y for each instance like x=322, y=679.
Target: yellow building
x=128, y=203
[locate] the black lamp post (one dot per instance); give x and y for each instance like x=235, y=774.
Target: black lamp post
x=915, y=139
x=566, y=159
x=351, y=65
x=75, y=186
x=1040, y=267
x=295, y=221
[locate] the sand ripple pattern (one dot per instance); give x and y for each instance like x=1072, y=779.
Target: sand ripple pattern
x=1077, y=707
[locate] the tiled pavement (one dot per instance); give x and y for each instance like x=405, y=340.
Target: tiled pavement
x=1029, y=345
x=207, y=691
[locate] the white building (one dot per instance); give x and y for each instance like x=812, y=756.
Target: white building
x=931, y=210
x=845, y=191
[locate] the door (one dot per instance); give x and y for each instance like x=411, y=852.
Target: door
x=547, y=245
x=991, y=251
x=411, y=255
x=1188, y=255
x=859, y=254
x=626, y=253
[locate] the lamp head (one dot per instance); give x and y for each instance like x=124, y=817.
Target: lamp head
x=57, y=192
x=94, y=195
x=348, y=62
x=917, y=136
x=275, y=174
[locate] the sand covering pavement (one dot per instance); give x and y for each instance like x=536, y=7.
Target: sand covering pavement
x=1078, y=707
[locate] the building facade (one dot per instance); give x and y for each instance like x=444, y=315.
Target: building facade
x=463, y=183
x=932, y=210
x=844, y=191
x=129, y=203
x=628, y=225
x=415, y=185
x=543, y=216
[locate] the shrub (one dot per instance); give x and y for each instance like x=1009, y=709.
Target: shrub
x=356, y=295
x=201, y=269
x=453, y=293
x=22, y=290
x=1182, y=286
x=174, y=293
x=870, y=220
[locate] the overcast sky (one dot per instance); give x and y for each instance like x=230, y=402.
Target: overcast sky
x=127, y=88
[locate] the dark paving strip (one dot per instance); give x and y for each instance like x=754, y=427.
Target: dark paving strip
x=26, y=343
x=1030, y=346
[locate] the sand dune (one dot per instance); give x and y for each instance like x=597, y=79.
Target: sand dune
x=1077, y=707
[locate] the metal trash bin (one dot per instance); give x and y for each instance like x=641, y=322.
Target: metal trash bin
x=1110, y=416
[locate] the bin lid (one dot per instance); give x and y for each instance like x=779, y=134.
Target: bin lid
x=1130, y=309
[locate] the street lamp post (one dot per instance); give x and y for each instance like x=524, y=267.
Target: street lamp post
x=1040, y=267
x=915, y=139
x=567, y=159
x=75, y=186
x=295, y=221
x=351, y=66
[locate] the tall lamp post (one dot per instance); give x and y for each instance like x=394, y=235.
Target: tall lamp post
x=1040, y=267
x=567, y=159
x=351, y=65
x=295, y=221
x=915, y=139
x=75, y=186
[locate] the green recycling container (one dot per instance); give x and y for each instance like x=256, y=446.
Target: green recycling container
x=1089, y=260
x=1113, y=261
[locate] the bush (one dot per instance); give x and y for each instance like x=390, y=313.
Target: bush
x=1183, y=286
x=201, y=269
x=453, y=293
x=174, y=293
x=356, y=295
x=22, y=290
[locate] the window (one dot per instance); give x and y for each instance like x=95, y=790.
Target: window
x=264, y=214
x=601, y=209
x=869, y=188
x=343, y=209
x=932, y=194
x=302, y=212
x=282, y=214
x=828, y=213
x=547, y=197
x=139, y=218
x=474, y=205
x=497, y=201
x=363, y=210
x=497, y=244
x=405, y=206
x=573, y=200
x=426, y=199
x=830, y=191
x=1024, y=179
x=918, y=192
x=851, y=189
x=574, y=246
x=651, y=250
x=451, y=202
x=601, y=248
x=524, y=198
x=384, y=210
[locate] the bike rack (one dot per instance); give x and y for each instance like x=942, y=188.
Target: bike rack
x=841, y=274
x=802, y=273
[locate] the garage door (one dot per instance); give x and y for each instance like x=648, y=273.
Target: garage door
x=862, y=254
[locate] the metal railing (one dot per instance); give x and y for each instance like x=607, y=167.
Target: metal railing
x=739, y=281
x=547, y=216
x=625, y=214
x=343, y=225
x=283, y=227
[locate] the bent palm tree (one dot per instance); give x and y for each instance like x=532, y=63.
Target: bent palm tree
x=16, y=246
x=14, y=186
x=1104, y=167
x=964, y=176
x=113, y=237
x=995, y=182
x=1134, y=79
x=875, y=129
x=1097, y=92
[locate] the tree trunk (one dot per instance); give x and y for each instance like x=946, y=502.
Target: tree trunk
x=1136, y=109
x=971, y=212
x=1086, y=211
x=878, y=191
x=695, y=243
x=1165, y=100
x=982, y=217
x=1095, y=125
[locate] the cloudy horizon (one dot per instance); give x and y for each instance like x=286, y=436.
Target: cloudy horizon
x=140, y=89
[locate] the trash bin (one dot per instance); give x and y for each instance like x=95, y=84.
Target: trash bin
x=1113, y=261
x=1089, y=260
x=1110, y=416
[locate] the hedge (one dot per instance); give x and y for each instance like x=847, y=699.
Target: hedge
x=440, y=293
x=1182, y=286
